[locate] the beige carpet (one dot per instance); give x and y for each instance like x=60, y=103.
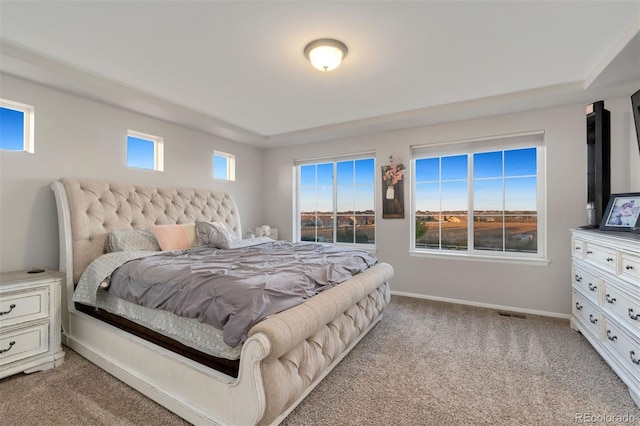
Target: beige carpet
x=426, y=363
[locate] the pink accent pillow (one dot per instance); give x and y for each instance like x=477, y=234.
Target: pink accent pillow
x=175, y=237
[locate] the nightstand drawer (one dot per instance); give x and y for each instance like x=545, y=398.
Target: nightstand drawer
x=23, y=343
x=24, y=306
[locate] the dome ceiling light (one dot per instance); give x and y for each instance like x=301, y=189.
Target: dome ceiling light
x=325, y=54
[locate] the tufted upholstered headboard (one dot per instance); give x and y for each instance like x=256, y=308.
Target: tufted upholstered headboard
x=89, y=210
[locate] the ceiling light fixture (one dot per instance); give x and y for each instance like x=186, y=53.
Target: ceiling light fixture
x=325, y=54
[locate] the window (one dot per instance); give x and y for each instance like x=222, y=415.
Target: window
x=483, y=198
x=224, y=166
x=16, y=126
x=145, y=151
x=336, y=200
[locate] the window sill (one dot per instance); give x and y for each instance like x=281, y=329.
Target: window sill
x=481, y=258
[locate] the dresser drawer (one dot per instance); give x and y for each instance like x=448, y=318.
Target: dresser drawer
x=23, y=343
x=586, y=312
x=577, y=247
x=626, y=306
x=623, y=346
x=630, y=267
x=604, y=257
x=24, y=306
x=587, y=282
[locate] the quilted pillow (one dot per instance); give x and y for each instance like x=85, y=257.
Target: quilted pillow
x=142, y=240
x=175, y=237
x=215, y=234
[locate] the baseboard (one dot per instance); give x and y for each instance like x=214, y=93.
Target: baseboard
x=482, y=305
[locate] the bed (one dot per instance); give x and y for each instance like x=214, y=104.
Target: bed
x=282, y=358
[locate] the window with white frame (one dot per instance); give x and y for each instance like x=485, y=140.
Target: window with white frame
x=224, y=166
x=16, y=126
x=336, y=200
x=145, y=151
x=482, y=197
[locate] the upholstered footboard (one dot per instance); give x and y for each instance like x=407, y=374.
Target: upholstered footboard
x=309, y=340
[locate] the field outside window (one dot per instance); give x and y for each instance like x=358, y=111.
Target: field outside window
x=336, y=202
x=482, y=202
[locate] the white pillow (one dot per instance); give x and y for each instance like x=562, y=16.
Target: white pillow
x=142, y=240
x=215, y=234
x=249, y=242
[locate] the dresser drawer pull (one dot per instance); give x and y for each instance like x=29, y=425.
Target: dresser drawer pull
x=578, y=248
x=610, y=299
x=609, y=259
x=579, y=306
x=610, y=337
x=593, y=287
x=633, y=358
x=13, y=342
x=633, y=317
x=10, y=309
x=628, y=267
x=578, y=278
x=589, y=252
x=592, y=319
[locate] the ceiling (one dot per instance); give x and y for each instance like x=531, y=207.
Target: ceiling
x=236, y=68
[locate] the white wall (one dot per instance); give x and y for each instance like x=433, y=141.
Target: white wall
x=80, y=138
x=536, y=288
x=625, y=157
x=76, y=137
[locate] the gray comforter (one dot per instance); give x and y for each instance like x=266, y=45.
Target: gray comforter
x=234, y=289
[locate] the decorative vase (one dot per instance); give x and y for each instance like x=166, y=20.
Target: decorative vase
x=390, y=192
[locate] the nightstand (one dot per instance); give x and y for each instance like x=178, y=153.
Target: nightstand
x=30, y=329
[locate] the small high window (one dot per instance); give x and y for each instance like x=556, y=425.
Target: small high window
x=224, y=166
x=16, y=126
x=145, y=151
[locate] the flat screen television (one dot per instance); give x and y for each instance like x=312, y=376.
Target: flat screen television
x=635, y=107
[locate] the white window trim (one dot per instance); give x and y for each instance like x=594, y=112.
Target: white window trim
x=231, y=165
x=28, y=143
x=510, y=141
x=158, y=149
x=297, y=231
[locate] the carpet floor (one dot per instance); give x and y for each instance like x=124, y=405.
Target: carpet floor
x=425, y=363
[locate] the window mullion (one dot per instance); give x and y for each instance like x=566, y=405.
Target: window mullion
x=504, y=207
x=470, y=204
x=440, y=202
x=317, y=210
x=335, y=202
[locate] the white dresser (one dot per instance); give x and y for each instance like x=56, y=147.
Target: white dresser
x=606, y=299
x=30, y=329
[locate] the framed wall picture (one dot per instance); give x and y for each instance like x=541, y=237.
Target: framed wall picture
x=393, y=190
x=622, y=213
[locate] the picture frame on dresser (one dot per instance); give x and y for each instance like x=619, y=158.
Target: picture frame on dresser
x=622, y=213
